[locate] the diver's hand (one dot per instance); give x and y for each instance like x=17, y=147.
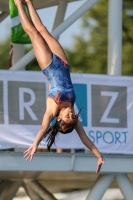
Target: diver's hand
x=29, y=153
x=100, y=161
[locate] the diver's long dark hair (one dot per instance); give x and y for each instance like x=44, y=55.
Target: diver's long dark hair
x=52, y=131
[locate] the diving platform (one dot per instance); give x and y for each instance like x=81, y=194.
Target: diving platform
x=55, y=172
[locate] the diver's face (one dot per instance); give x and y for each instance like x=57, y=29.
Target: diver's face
x=67, y=115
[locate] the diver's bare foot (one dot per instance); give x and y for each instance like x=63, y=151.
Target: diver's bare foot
x=17, y=2
x=24, y=2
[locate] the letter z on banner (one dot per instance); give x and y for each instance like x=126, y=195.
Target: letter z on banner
x=110, y=126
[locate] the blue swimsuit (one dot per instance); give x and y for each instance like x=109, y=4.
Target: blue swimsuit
x=58, y=74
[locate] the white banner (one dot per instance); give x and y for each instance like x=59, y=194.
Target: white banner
x=106, y=115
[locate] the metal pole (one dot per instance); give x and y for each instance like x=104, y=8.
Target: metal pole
x=125, y=186
x=18, y=53
x=43, y=192
x=30, y=192
x=115, y=37
x=60, y=14
x=100, y=186
x=3, y=185
x=60, y=29
x=10, y=190
x=3, y=15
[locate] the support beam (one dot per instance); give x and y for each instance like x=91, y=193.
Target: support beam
x=60, y=14
x=3, y=15
x=3, y=185
x=100, y=186
x=10, y=190
x=125, y=186
x=115, y=37
x=30, y=192
x=76, y=15
x=60, y=29
x=39, y=189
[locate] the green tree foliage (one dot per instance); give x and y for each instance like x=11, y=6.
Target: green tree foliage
x=89, y=53
x=4, y=54
x=33, y=65
x=127, y=58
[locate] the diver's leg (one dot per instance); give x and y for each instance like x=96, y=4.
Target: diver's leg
x=53, y=44
x=42, y=51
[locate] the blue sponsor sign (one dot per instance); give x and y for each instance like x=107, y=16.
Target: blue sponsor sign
x=81, y=101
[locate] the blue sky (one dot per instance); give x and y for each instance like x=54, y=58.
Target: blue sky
x=47, y=16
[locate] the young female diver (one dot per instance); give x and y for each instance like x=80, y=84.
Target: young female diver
x=54, y=64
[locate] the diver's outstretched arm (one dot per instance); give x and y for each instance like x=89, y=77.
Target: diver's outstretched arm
x=29, y=153
x=88, y=143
